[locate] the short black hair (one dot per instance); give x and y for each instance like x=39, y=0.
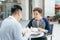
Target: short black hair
x=15, y=8
x=38, y=9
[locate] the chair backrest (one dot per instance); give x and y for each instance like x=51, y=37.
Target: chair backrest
x=51, y=29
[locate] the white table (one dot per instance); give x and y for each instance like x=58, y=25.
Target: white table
x=36, y=36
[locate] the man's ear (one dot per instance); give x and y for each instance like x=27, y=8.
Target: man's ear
x=18, y=14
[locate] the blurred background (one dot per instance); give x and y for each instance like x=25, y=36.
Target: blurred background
x=27, y=5
x=51, y=11
x=51, y=8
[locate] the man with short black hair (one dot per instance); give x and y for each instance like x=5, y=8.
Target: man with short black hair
x=11, y=29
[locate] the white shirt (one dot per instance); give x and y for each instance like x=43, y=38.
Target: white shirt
x=11, y=29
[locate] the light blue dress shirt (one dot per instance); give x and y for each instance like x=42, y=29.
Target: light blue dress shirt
x=11, y=30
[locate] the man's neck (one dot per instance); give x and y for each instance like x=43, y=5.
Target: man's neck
x=15, y=17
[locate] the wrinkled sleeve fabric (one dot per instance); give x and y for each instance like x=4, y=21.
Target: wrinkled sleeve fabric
x=18, y=33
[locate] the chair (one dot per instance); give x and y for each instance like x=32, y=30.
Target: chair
x=51, y=31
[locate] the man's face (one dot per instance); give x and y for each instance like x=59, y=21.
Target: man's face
x=37, y=15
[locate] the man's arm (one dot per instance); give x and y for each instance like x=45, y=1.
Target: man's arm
x=18, y=33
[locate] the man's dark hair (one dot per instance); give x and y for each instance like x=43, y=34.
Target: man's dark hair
x=15, y=8
x=38, y=9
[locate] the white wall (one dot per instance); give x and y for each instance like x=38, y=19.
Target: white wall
x=38, y=3
x=49, y=8
x=25, y=11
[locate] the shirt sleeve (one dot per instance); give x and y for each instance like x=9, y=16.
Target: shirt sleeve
x=18, y=33
x=47, y=27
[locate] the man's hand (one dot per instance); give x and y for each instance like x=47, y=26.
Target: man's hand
x=27, y=30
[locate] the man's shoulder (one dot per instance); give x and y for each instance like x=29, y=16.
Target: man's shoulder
x=45, y=19
x=32, y=19
x=8, y=21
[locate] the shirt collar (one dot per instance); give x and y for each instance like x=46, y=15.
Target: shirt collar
x=41, y=17
x=13, y=18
